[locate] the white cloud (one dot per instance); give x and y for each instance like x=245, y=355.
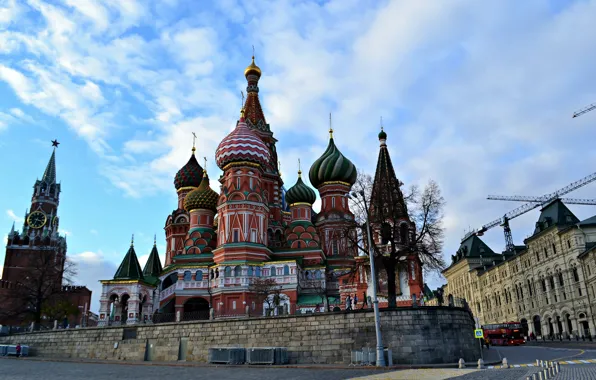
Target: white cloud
x=14, y=216
x=92, y=267
x=94, y=232
x=65, y=232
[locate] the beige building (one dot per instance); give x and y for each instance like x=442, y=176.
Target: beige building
x=549, y=284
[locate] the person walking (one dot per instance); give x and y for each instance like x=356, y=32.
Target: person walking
x=348, y=302
x=18, y=349
x=355, y=301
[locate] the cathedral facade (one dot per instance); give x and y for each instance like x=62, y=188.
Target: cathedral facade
x=224, y=248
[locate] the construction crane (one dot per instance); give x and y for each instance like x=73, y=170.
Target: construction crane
x=521, y=198
x=537, y=202
x=585, y=110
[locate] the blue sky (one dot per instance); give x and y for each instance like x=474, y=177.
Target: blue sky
x=475, y=95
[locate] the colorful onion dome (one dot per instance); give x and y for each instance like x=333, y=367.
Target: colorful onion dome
x=252, y=69
x=332, y=166
x=203, y=197
x=300, y=193
x=242, y=144
x=190, y=175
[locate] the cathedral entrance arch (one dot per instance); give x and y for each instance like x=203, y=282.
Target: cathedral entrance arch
x=537, y=327
x=124, y=308
x=524, y=323
x=169, y=281
x=196, y=309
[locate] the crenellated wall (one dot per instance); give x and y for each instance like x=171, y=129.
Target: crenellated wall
x=416, y=336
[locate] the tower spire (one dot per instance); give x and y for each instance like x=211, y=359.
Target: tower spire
x=154, y=239
x=330, y=127
x=194, y=138
x=49, y=175
x=299, y=170
x=132, y=240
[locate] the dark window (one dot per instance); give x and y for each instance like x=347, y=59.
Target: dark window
x=385, y=233
x=560, y=278
x=537, y=257
x=543, y=285
x=575, y=274
x=228, y=272
x=129, y=333
x=237, y=271
x=545, y=253
x=199, y=275
x=530, y=287
x=568, y=244
x=273, y=271
x=554, y=249
x=286, y=270
x=236, y=237
x=403, y=233
x=579, y=291
x=552, y=282
x=187, y=276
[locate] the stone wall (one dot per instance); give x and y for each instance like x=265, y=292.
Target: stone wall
x=416, y=336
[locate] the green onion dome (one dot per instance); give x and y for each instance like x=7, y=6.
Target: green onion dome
x=300, y=193
x=332, y=166
x=382, y=135
x=203, y=197
x=190, y=175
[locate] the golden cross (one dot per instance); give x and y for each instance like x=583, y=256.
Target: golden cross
x=330, y=126
x=194, y=137
x=381, y=123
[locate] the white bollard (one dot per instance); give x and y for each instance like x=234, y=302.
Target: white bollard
x=537, y=362
x=504, y=364
x=546, y=376
x=481, y=364
x=541, y=376
x=462, y=363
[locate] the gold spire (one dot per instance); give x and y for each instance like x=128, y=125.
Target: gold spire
x=194, y=138
x=330, y=127
x=299, y=171
x=242, y=105
x=204, y=165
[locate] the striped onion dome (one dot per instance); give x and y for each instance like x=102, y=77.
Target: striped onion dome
x=242, y=144
x=332, y=166
x=203, y=197
x=190, y=174
x=300, y=193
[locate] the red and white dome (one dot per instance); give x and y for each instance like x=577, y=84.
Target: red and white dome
x=242, y=144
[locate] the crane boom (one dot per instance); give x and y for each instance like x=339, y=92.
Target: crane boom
x=585, y=110
x=521, y=198
x=537, y=202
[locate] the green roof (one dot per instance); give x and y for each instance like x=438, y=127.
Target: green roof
x=49, y=175
x=588, y=222
x=554, y=213
x=153, y=266
x=315, y=299
x=130, y=268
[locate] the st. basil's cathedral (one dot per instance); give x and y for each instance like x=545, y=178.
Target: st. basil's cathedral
x=218, y=243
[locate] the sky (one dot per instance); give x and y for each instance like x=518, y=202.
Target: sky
x=477, y=96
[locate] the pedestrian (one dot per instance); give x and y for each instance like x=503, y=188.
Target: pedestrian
x=18, y=350
x=348, y=302
x=364, y=300
x=355, y=301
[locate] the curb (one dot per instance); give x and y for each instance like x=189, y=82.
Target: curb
x=294, y=366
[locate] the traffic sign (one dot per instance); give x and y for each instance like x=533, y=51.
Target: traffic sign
x=478, y=333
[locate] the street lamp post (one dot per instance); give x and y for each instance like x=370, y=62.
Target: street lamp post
x=380, y=354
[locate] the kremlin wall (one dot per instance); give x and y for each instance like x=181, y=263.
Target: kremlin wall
x=424, y=335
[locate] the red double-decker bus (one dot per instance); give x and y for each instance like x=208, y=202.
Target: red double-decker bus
x=504, y=334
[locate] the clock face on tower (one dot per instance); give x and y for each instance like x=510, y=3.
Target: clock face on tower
x=36, y=219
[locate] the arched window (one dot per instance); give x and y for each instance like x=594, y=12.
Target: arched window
x=318, y=274
x=250, y=271
x=286, y=270
x=403, y=233
x=561, y=280
x=552, y=282
x=575, y=274
x=199, y=275
x=258, y=271
x=187, y=275
x=385, y=233
x=237, y=271
x=228, y=272
x=273, y=271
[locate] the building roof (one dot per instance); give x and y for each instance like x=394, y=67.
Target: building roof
x=300, y=192
x=554, y=214
x=386, y=186
x=129, y=269
x=153, y=266
x=255, y=118
x=190, y=175
x=202, y=198
x=332, y=166
x=588, y=222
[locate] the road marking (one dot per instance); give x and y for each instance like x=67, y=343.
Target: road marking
x=569, y=356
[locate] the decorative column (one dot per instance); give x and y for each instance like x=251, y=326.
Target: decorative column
x=133, y=309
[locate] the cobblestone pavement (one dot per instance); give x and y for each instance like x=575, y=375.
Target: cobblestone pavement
x=528, y=354
x=420, y=374
x=18, y=369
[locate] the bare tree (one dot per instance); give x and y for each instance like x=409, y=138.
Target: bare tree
x=40, y=287
x=266, y=290
x=402, y=225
